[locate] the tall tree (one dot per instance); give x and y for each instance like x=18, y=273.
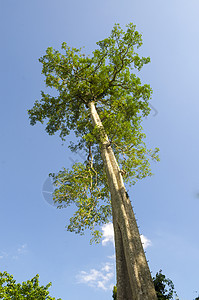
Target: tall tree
x=103, y=102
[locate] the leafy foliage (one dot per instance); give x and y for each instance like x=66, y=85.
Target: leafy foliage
x=164, y=287
x=30, y=290
x=105, y=78
x=114, y=293
x=82, y=187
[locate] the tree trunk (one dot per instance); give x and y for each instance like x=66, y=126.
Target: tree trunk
x=134, y=281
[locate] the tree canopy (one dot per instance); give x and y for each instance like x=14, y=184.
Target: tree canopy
x=30, y=289
x=108, y=78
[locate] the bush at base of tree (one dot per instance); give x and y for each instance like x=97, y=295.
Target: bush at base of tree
x=30, y=289
x=164, y=287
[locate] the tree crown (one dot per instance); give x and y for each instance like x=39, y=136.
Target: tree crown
x=107, y=79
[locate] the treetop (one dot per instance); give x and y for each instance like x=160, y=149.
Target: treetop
x=106, y=78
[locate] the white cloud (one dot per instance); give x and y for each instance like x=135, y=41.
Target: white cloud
x=101, y=278
x=89, y=277
x=146, y=242
x=108, y=236
x=107, y=268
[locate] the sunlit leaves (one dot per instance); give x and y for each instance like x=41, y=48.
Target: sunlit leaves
x=30, y=289
x=108, y=78
x=79, y=79
x=82, y=187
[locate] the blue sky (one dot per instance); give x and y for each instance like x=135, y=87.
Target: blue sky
x=33, y=235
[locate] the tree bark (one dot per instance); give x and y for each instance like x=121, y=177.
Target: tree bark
x=134, y=281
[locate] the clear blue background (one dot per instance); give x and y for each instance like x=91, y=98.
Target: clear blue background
x=33, y=235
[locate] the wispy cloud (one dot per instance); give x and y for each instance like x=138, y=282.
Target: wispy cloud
x=22, y=249
x=108, y=236
x=14, y=254
x=3, y=254
x=112, y=257
x=101, y=278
